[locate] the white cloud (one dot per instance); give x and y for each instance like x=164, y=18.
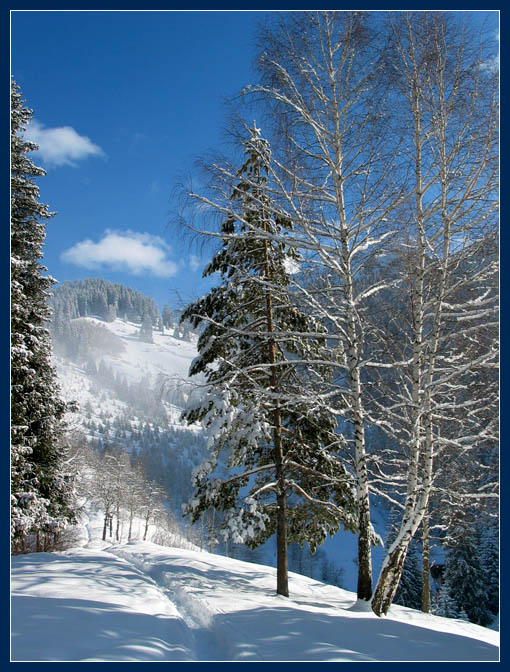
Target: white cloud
x=128, y=251
x=61, y=146
x=194, y=262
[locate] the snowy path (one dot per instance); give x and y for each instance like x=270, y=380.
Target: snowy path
x=91, y=606
x=204, y=642
x=142, y=602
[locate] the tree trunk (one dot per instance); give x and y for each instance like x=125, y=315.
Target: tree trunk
x=147, y=518
x=211, y=533
x=105, y=526
x=425, y=595
x=282, y=562
x=282, y=566
x=389, y=578
x=131, y=515
x=117, y=528
x=364, y=587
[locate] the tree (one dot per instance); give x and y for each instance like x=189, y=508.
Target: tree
x=489, y=558
x=449, y=279
x=146, y=329
x=389, y=157
x=269, y=469
x=320, y=79
x=167, y=317
x=41, y=493
x=464, y=579
x=409, y=591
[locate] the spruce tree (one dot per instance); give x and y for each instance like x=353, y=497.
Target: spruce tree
x=167, y=316
x=445, y=605
x=464, y=579
x=268, y=470
x=489, y=557
x=41, y=496
x=409, y=591
x=145, y=333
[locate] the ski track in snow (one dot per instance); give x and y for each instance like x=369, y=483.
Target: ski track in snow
x=205, y=643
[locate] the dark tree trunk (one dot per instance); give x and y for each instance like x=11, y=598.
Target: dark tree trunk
x=364, y=587
x=147, y=518
x=130, y=525
x=425, y=595
x=282, y=563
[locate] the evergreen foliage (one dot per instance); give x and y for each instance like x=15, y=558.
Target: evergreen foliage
x=166, y=316
x=145, y=333
x=269, y=432
x=409, y=589
x=464, y=580
x=100, y=298
x=489, y=557
x=41, y=496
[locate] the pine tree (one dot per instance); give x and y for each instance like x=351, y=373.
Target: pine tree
x=167, y=316
x=409, y=591
x=266, y=432
x=146, y=329
x=445, y=604
x=464, y=579
x=489, y=557
x=41, y=495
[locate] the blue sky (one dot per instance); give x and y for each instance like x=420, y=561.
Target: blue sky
x=123, y=103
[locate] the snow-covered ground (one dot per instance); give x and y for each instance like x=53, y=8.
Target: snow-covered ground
x=166, y=357
x=141, y=602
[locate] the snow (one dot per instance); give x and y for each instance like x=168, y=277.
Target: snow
x=141, y=602
x=166, y=356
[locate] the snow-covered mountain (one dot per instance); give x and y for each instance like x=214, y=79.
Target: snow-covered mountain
x=130, y=394
x=167, y=357
x=137, y=601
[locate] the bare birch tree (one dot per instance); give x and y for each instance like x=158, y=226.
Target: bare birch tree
x=449, y=101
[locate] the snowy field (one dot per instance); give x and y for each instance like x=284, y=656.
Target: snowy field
x=142, y=602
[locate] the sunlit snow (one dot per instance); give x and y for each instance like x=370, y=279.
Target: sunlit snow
x=141, y=602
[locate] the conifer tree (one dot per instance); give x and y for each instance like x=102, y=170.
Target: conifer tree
x=41, y=495
x=445, y=605
x=464, y=579
x=269, y=469
x=167, y=316
x=146, y=329
x=409, y=591
x=489, y=557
